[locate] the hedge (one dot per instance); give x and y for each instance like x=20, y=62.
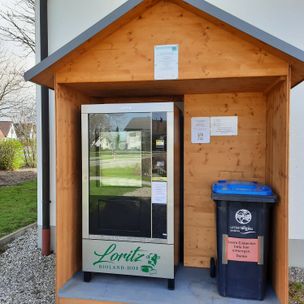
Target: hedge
x=11, y=154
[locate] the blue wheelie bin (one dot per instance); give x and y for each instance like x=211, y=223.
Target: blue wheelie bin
x=242, y=216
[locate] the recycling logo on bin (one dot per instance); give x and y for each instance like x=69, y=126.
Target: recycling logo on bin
x=243, y=216
x=242, y=221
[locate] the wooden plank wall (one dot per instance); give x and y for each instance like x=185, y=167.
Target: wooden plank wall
x=68, y=183
x=205, y=50
x=277, y=176
x=237, y=157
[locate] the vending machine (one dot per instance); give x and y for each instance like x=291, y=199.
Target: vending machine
x=130, y=189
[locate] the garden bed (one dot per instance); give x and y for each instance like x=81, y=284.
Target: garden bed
x=8, y=178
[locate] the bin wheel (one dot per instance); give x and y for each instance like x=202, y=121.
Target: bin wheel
x=212, y=268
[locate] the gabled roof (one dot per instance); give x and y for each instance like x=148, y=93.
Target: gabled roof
x=5, y=127
x=280, y=48
x=138, y=123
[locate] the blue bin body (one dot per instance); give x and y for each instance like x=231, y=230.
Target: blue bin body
x=242, y=216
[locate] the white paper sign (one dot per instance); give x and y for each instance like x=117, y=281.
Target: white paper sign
x=200, y=130
x=166, y=62
x=224, y=126
x=159, y=193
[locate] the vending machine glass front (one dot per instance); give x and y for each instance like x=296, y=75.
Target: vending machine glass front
x=127, y=153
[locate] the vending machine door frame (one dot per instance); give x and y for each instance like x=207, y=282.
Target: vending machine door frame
x=167, y=107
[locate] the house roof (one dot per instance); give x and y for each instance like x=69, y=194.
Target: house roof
x=1, y=135
x=138, y=123
x=281, y=48
x=5, y=127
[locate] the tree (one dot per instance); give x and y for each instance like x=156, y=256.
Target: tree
x=17, y=97
x=19, y=24
x=12, y=86
x=26, y=133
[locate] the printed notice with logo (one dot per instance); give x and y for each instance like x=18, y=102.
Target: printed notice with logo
x=200, y=130
x=159, y=193
x=166, y=62
x=224, y=126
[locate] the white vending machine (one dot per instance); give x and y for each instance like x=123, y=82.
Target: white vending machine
x=130, y=189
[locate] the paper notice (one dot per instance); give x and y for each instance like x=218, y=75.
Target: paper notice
x=200, y=130
x=242, y=250
x=159, y=193
x=166, y=62
x=224, y=126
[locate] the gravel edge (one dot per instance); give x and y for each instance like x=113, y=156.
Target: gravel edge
x=25, y=275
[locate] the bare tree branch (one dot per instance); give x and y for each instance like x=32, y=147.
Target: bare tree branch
x=19, y=24
x=26, y=132
x=14, y=92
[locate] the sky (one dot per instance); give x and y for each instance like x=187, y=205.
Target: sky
x=15, y=53
x=10, y=46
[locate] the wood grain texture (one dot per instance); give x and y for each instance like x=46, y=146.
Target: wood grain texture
x=68, y=183
x=231, y=157
x=175, y=87
x=297, y=66
x=205, y=50
x=47, y=77
x=277, y=176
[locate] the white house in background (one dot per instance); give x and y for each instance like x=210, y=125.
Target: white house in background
x=7, y=130
x=68, y=18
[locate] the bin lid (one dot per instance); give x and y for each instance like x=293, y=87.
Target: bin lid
x=235, y=187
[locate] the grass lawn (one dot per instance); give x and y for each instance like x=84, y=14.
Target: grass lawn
x=296, y=293
x=18, y=206
x=109, y=190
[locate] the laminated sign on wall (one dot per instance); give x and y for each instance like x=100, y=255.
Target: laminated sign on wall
x=224, y=126
x=166, y=62
x=200, y=130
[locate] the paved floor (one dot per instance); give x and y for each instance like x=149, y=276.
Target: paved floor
x=192, y=286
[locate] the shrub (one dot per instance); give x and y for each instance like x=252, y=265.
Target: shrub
x=11, y=154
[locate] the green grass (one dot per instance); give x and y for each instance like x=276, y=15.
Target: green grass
x=109, y=190
x=105, y=155
x=122, y=172
x=18, y=206
x=296, y=293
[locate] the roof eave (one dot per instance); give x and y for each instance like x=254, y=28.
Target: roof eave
x=292, y=53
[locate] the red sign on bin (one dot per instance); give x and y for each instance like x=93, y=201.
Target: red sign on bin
x=242, y=250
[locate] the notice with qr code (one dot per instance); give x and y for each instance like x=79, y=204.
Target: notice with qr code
x=200, y=130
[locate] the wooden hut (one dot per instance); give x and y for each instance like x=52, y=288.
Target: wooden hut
x=226, y=67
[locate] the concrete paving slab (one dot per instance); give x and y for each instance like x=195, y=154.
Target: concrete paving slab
x=192, y=285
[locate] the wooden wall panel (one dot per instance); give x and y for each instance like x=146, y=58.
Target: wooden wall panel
x=277, y=177
x=68, y=183
x=179, y=87
x=205, y=50
x=232, y=157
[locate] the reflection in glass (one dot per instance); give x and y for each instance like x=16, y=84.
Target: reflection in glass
x=120, y=174
x=159, y=171
x=159, y=146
